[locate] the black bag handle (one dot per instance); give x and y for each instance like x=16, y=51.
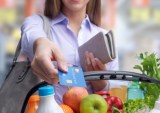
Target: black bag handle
x=31, y=92
x=100, y=75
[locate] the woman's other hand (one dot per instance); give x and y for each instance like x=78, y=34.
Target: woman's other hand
x=45, y=52
x=94, y=64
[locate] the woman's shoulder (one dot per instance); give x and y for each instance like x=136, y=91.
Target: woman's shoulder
x=35, y=18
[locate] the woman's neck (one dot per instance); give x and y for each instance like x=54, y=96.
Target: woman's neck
x=75, y=19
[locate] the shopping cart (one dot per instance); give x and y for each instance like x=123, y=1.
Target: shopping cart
x=100, y=75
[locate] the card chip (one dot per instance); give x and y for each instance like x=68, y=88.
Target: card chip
x=69, y=81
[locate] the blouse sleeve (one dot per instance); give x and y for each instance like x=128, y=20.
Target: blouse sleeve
x=32, y=29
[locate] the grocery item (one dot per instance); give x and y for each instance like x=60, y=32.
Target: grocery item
x=33, y=104
x=47, y=101
x=93, y=103
x=113, y=101
x=66, y=108
x=134, y=91
x=74, y=96
x=149, y=65
x=120, y=92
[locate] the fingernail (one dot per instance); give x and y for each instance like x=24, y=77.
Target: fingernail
x=88, y=63
x=91, y=54
x=96, y=58
x=65, y=68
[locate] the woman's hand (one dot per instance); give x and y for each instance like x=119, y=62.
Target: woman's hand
x=94, y=64
x=42, y=66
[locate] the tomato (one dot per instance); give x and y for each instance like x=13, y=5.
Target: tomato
x=112, y=101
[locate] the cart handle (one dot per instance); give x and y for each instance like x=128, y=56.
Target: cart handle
x=100, y=75
x=118, y=75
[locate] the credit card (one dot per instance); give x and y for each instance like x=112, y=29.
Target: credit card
x=74, y=77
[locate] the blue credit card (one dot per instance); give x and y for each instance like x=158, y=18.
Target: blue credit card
x=74, y=77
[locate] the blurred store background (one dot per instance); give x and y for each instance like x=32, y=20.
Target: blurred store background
x=135, y=23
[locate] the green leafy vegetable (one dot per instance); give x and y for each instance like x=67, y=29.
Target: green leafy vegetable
x=132, y=106
x=151, y=89
x=150, y=65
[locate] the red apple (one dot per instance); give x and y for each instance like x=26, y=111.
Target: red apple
x=74, y=96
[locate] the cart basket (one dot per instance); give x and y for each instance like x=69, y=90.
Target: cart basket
x=100, y=75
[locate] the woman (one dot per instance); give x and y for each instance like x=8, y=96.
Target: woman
x=73, y=22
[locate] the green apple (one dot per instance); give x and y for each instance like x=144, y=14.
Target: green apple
x=93, y=103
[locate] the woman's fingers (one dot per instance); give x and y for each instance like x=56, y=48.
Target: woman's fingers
x=87, y=58
x=59, y=57
x=100, y=65
x=47, y=67
x=46, y=51
x=37, y=70
x=45, y=78
x=88, y=62
x=55, y=80
x=92, y=63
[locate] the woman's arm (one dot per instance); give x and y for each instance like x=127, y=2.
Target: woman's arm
x=32, y=29
x=41, y=51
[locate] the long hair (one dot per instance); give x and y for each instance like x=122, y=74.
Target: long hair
x=53, y=8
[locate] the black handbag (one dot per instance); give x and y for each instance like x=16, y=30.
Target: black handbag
x=19, y=80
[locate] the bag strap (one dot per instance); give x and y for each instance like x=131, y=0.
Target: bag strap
x=31, y=92
x=46, y=27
